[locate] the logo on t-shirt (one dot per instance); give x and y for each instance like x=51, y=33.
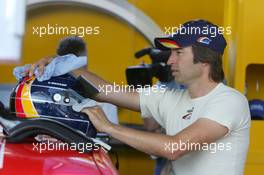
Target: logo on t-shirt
x=188, y=115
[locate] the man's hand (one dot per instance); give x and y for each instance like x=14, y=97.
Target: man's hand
x=126, y=99
x=98, y=118
x=40, y=65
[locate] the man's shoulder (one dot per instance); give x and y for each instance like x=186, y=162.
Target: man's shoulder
x=229, y=93
x=227, y=90
x=176, y=92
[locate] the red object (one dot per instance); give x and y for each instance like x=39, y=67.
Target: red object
x=20, y=159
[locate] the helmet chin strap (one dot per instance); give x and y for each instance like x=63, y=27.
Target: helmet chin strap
x=18, y=130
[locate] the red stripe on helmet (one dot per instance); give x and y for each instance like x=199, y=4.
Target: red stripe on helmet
x=19, y=107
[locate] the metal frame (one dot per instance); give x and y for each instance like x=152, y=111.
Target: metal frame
x=119, y=8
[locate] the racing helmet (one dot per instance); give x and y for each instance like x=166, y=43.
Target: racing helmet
x=53, y=100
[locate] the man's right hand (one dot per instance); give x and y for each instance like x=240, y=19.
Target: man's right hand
x=40, y=65
x=129, y=100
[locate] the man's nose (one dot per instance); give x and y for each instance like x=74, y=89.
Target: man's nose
x=171, y=59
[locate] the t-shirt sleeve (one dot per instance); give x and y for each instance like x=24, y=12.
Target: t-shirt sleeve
x=150, y=100
x=230, y=110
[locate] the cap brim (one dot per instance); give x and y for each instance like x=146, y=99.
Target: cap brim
x=256, y=108
x=166, y=43
x=256, y=113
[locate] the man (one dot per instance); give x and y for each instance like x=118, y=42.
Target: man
x=207, y=124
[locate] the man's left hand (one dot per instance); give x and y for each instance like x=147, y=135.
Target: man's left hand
x=98, y=118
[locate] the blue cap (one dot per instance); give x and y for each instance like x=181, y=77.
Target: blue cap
x=199, y=32
x=256, y=108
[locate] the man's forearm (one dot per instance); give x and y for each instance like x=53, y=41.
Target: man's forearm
x=150, y=143
x=129, y=100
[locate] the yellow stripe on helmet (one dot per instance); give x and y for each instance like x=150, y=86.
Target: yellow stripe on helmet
x=28, y=106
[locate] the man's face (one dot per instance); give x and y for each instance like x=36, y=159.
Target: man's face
x=183, y=69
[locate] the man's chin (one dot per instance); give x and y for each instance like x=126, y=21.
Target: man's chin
x=178, y=80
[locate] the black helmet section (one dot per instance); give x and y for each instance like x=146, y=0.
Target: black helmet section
x=52, y=99
x=19, y=130
x=3, y=110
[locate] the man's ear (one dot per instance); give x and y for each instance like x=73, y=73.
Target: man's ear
x=205, y=64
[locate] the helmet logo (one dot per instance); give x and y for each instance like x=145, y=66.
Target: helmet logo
x=204, y=40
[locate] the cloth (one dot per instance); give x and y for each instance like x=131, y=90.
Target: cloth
x=58, y=66
x=175, y=110
x=109, y=109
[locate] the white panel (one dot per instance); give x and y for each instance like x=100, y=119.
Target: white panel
x=12, y=20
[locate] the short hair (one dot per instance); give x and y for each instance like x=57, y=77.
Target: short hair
x=72, y=45
x=206, y=55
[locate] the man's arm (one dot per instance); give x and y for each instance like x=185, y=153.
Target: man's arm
x=126, y=99
x=129, y=100
x=202, y=131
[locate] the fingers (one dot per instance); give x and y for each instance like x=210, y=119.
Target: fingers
x=40, y=65
x=25, y=73
x=88, y=109
x=98, y=118
x=31, y=70
x=92, y=110
x=41, y=69
x=85, y=110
